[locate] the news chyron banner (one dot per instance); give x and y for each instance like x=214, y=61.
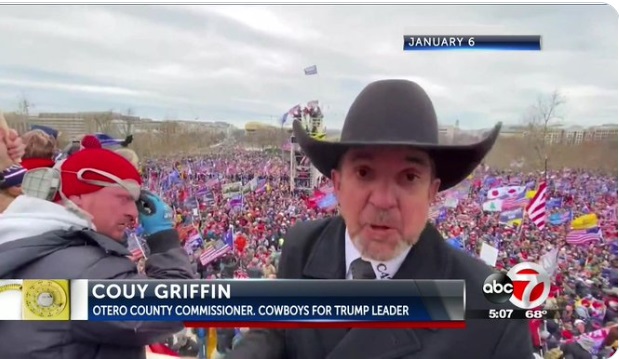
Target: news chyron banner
x=246, y=303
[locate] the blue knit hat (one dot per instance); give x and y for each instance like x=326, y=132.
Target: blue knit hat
x=13, y=176
x=48, y=130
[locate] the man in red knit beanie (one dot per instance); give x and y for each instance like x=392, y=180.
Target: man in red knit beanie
x=104, y=187
x=70, y=224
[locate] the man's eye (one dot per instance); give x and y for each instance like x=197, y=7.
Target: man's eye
x=411, y=177
x=362, y=172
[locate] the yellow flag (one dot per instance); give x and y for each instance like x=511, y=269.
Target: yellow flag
x=515, y=222
x=211, y=342
x=530, y=194
x=585, y=222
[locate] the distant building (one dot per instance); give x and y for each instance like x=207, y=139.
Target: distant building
x=456, y=136
x=555, y=134
x=605, y=132
x=575, y=135
x=512, y=131
x=259, y=126
x=76, y=124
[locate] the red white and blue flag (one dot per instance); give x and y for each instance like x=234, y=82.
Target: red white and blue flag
x=536, y=209
x=584, y=236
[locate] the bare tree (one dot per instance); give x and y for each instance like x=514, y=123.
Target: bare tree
x=24, y=106
x=592, y=156
x=19, y=119
x=538, y=120
x=103, y=122
x=127, y=124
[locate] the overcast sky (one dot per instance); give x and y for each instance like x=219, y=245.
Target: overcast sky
x=245, y=63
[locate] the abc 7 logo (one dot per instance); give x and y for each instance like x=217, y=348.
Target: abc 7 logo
x=499, y=287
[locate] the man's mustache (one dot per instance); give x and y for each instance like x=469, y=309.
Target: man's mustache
x=382, y=218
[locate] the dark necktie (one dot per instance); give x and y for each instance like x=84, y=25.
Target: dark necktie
x=362, y=269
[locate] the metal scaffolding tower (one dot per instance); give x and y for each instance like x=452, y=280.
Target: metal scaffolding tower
x=303, y=175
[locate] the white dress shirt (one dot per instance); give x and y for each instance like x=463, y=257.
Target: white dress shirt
x=383, y=270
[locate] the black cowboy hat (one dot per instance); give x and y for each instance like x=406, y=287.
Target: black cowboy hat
x=396, y=113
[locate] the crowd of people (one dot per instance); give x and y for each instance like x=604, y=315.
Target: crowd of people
x=584, y=274
x=233, y=207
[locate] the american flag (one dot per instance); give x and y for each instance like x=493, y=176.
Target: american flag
x=290, y=112
x=512, y=203
x=213, y=252
x=135, y=247
x=137, y=254
x=583, y=236
x=536, y=209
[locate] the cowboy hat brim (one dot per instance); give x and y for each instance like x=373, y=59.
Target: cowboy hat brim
x=453, y=163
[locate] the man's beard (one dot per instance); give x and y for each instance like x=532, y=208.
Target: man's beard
x=363, y=246
x=382, y=218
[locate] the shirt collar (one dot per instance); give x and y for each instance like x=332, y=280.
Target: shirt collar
x=383, y=270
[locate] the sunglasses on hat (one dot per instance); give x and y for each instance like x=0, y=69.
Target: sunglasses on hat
x=130, y=185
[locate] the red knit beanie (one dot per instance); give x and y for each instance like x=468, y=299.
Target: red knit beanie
x=91, y=169
x=90, y=141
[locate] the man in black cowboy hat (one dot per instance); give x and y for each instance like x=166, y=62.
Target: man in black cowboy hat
x=386, y=171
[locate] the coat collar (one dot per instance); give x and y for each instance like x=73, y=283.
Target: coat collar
x=426, y=260
x=327, y=260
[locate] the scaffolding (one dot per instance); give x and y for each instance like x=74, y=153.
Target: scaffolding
x=303, y=175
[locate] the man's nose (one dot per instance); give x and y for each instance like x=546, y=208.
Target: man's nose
x=383, y=195
x=132, y=211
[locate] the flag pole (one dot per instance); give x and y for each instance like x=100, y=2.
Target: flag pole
x=546, y=168
x=283, y=135
x=521, y=229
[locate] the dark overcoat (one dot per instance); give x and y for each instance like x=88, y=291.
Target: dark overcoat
x=315, y=250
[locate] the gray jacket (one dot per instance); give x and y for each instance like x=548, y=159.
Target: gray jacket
x=85, y=254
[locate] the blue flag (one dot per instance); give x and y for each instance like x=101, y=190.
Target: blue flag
x=107, y=140
x=229, y=238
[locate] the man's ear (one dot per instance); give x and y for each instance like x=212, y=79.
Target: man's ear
x=336, y=178
x=433, y=191
x=77, y=200
x=14, y=191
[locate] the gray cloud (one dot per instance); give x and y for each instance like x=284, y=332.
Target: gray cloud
x=239, y=64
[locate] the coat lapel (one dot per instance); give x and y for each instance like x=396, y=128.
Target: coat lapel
x=328, y=261
x=426, y=260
